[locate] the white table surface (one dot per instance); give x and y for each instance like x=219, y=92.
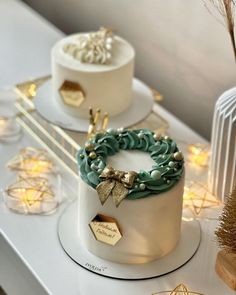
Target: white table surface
x=31, y=258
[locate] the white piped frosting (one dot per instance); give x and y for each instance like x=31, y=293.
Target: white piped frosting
x=93, y=47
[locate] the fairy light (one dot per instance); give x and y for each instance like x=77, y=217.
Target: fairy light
x=197, y=197
x=31, y=195
x=33, y=191
x=4, y=125
x=31, y=161
x=198, y=154
x=37, y=166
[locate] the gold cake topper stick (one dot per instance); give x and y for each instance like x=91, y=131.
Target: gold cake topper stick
x=115, y=183
x=94, y=120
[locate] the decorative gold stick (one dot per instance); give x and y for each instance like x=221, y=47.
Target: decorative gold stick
x=94, y=119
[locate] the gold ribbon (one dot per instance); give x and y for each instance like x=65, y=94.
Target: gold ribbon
x=116, y=184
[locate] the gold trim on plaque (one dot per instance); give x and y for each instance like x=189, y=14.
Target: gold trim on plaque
x=105, y=229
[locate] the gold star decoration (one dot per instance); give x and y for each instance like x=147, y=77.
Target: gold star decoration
x=181, y=289
x=30, y=190
x=30, y=195
x=197, y=197
x=31, y=161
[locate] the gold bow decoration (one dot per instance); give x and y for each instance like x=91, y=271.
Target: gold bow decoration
x=115, y=183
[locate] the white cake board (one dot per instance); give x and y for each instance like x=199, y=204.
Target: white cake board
x=71, y=243
x=48, y=108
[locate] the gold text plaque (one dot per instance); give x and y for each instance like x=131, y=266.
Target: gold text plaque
x=105, y=229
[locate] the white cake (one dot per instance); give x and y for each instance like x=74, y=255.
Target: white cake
x=150, y=226
x=103, y=81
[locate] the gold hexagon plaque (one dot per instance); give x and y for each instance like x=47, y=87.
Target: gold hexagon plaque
x=105, y=229
x=72, y=93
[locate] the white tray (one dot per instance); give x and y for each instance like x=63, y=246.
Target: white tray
x=140, y=108
x=71, y=243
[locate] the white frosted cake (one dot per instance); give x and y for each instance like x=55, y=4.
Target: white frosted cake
x=92, y=70
x=130, y=204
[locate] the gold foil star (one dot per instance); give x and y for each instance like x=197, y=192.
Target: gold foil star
x=197, y=197
x=181, y=289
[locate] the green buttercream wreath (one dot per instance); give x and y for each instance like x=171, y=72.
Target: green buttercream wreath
x=165, y=173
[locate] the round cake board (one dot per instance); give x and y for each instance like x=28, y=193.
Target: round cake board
x=139, y=109
x=71, y=243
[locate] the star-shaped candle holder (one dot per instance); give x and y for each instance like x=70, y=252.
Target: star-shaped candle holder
x=181, y=289
x=32, y=161
x=197, y=197
x=31, y=195
x=36, y=188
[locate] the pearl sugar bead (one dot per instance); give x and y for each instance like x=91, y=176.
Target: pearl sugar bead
x=93, y=166
x=140, y=135
x=171, y=164
x=121, y=129
x=178, y=156
x=155, y=174
x=142, y=186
